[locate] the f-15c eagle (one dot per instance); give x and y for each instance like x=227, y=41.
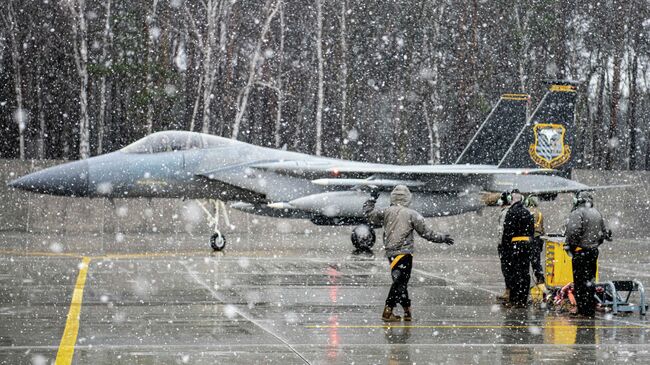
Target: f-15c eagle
x=508, y=151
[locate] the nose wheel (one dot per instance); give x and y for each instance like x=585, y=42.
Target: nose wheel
x=218, y=241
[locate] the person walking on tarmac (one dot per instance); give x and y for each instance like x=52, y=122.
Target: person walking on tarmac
x=518, y=232
x=532, y=203
x=585, y=231
x=399, y=222
x=504, y=201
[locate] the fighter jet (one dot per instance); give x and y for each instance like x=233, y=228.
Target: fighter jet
x=508, y=151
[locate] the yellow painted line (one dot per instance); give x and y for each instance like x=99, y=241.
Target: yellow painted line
x=69, y=339
x=462, y=326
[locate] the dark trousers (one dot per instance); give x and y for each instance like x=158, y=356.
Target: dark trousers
x=517, y=257
x=401, y=273
x=584, y=276
x=537, y=245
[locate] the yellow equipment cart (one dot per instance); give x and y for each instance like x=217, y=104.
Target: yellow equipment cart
x=558, y=269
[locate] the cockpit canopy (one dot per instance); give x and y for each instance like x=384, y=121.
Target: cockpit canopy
x=169, y=141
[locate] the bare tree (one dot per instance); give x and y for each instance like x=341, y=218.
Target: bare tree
x=614, y=107
x=152, y=40
x=280, y=91
x=208, y=45
x=522, y=21
x=197, y=100
x=344, y=81
x=77, y=9
x=319, y=55
x=20, y=115
x=41, y=114
x=105, y=63
x=242, y=98
x=433, y=134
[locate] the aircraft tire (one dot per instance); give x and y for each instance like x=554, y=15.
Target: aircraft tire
x=218, y=241
x=363, y=237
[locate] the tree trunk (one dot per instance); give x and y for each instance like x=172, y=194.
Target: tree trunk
x=19, y=115
x=151, y=43
x=613, y=121
x=197, y=100
x=522, y=30
x=319, y=55
x=41, y=117
x=345, y=147
x=280, y=91
x=242, y=99
x=631, y=116
x=80, y=44
x=104, y=61
x=207, y=45
x=209, y=70
x=600, y=113
x=431, y=132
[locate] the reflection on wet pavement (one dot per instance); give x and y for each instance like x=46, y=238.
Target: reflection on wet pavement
x=306, y=302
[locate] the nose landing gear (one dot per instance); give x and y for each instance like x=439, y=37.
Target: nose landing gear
x=217, y=240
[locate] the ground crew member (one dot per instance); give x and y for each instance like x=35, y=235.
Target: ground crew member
x=586, y=230
x=504, y=202
x=537, y=246
x=518, y=232
x=399, y=222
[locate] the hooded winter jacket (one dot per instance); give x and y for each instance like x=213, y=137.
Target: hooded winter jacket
x=399, y=222
x=586, y=227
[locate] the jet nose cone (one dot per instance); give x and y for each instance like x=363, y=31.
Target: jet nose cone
x=70, y=179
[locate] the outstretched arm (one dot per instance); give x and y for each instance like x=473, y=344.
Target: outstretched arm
x=374, y=216
x=427, y=233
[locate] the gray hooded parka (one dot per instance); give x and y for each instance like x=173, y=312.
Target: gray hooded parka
x=399, y=222
x=586, y=227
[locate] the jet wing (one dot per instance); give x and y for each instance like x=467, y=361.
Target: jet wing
x=337, y=167
x=441, y=178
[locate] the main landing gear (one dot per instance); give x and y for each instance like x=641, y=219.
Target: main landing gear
x=363, y=238
x=217, y=240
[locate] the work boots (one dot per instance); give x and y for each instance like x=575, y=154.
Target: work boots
x=388, y=315
x=407, y=314
x=505, y=297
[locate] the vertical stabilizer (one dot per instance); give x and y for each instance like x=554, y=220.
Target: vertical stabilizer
x=497, y=132
x=547, y=139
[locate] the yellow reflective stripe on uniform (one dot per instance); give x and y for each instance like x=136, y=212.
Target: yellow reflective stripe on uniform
x=395, y=261
x=520, y=238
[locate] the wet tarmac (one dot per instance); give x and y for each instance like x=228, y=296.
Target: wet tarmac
x=285, y=299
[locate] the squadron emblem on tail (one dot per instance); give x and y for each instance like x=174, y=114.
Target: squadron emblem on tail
x=549, y=150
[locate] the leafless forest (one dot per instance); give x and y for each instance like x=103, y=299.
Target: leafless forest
x=375, y=80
